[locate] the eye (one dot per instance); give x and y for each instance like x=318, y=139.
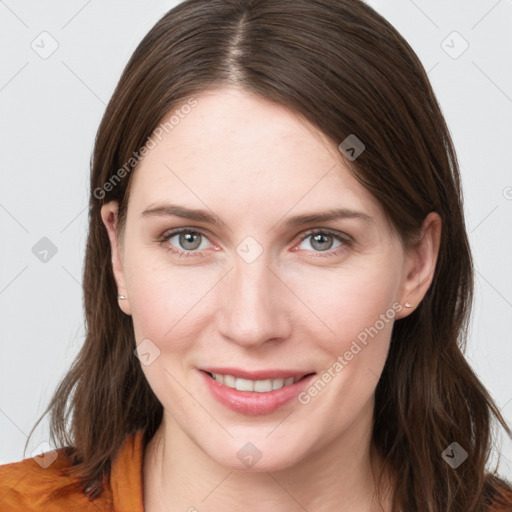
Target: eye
x=185, y=242
x=324, y=241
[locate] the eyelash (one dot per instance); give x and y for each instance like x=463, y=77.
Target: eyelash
x=344, y=239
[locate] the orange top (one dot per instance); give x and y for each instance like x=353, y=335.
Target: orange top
x=25, y=486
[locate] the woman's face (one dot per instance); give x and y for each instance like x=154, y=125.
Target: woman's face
x=256, y=294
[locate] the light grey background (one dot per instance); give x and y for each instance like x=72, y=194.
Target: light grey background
x=50, y=111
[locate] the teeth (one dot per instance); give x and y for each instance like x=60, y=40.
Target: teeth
x=259, y=386
x=229, y=381
x=278, y=383
x=244, y=385
x=263, y=386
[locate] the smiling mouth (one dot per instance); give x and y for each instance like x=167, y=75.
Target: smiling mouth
x=257, y=386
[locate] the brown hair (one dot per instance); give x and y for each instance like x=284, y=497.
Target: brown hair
x=347, y=71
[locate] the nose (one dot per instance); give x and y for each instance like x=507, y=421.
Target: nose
x=252, y=305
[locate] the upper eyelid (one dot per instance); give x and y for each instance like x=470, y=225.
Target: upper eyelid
x=333, y=232
x=176, y=231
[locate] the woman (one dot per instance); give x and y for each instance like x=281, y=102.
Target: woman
x=277, y=281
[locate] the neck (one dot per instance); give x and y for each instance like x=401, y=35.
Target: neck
x=178, y=475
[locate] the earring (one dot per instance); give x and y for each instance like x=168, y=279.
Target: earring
x=407, y=305
x=121, y=297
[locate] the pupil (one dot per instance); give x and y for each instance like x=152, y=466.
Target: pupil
x=319, y=239
x=189, y=240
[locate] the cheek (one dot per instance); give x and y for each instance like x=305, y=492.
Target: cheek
x=360, y=309
x=164, y=303
x=165, y=300
x=156, y=306
x=150, y=301
x=347, y=303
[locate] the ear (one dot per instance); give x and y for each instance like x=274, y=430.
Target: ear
x=109, y=215
x=420, y=264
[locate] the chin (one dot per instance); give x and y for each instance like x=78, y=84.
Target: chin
x=257, y=456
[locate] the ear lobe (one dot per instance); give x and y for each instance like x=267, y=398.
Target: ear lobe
x=420, y=264
x=110, y=217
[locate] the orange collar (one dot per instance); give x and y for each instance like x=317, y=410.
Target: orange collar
x=126, y=475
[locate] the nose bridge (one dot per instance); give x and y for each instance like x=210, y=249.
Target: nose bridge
x=252, y=311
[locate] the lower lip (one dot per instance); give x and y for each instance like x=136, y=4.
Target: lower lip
x=252, y=403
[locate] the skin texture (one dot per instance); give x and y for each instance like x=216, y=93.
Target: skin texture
x=254, y=164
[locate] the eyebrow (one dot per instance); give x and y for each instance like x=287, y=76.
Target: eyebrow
x=172, y=210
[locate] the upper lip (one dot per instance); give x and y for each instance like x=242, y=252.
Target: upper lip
x=257, y=374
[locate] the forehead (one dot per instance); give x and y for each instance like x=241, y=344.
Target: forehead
x=238, y=150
